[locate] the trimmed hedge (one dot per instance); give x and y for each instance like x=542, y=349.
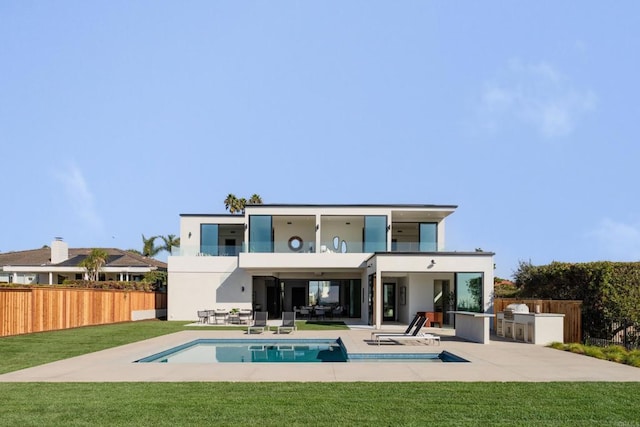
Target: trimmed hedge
x=610, y=291
x=110, y=284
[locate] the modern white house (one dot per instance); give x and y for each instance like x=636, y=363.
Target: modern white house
x=375, y=263
x=52, y=265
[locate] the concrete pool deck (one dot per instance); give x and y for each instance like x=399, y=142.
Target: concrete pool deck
x=498, y=361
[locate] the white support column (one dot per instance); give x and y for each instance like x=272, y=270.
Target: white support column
x=318, y=233
x=378, y=299
x=50, y=278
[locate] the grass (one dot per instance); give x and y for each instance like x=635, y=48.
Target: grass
x=159, y=404
x=613, y=353
x=313, y=325
x=270, y=404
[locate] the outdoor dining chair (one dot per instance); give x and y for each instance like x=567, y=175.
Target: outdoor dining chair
x=244, y=317
x=203, y=316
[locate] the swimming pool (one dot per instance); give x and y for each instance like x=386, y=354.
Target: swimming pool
x=282, y=351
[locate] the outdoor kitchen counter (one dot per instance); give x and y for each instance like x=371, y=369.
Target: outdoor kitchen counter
x=534, y=328
x=473, y=326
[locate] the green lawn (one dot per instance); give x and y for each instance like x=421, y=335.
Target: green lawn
x=221, y=404
x=321, y=404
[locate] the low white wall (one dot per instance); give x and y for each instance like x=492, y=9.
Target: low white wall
x=473, y=326
x=148, y=314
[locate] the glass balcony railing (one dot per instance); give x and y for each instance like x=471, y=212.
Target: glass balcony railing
x=206, y=250
x=342, y=246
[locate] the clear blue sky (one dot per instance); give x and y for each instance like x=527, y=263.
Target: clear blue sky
x=117, y=116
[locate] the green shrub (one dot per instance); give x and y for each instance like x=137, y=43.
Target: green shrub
x=633, y=358
x=558, y=345
x=615, y=353
x=575, y=348
x=109, y=284
x=610, y=291
x=593, y=351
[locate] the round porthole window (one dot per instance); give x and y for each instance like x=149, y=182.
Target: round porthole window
x=295, y=243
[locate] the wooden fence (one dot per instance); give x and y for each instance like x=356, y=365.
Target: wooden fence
x=572, y=311
x=27, y=310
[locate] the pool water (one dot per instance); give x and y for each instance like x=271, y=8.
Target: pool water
x=281, y=351
x=252, y=351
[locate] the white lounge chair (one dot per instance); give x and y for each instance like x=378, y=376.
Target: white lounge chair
x=429, y=338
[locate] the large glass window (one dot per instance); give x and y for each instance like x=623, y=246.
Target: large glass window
x=469, y=292
x=375, y=233
x=428, y=237
x=324, y=292
x=209, y=239
x=260, y=233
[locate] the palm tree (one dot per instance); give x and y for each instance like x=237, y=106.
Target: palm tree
x=255, y=200
x=231, y=203
x=149, y=249
x=94, y=262
x=170, y=241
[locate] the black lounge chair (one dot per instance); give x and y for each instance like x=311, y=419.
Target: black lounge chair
x=406, y=332
x=417, y=328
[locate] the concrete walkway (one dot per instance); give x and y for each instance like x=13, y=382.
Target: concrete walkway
x=498, y=361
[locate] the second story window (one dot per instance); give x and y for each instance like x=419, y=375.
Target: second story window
x=428, y=237
x=209, y=239
x=260, y=233
x=375, y=233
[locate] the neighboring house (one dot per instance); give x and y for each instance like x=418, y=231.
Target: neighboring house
x=48, y=266
x=377, y=263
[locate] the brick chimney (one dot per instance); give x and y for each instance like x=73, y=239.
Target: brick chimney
x=59, y=251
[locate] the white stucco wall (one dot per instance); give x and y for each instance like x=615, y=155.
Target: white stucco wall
x=205, y=283
x=303, y=227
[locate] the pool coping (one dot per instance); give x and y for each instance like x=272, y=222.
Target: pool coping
x=500, y=360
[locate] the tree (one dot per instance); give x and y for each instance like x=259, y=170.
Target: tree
x=170, y=241
x=149, y=249
x=233, y=204
x=255, y=200
x=94, y=262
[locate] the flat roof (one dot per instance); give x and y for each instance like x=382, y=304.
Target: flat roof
x=287, y=205
x=320, y=206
